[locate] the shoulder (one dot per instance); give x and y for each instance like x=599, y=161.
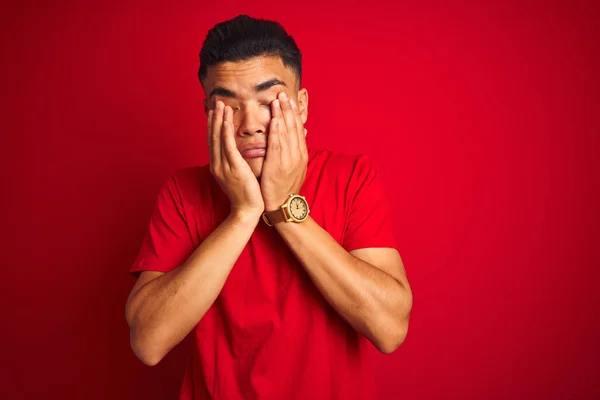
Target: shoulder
x=190, y=183
x=191, y=176
x=350, y=165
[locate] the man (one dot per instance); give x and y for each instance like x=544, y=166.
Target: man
x=279, y=258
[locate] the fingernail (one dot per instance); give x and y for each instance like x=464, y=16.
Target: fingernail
x=293, y=103
x=276, y=102
x=284, y=96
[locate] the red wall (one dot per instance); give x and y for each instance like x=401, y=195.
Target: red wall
x=483, y=118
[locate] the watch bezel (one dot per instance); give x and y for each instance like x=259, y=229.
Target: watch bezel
x=288, y=213
x=285, y=210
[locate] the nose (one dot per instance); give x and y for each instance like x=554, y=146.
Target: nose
x=251, y=122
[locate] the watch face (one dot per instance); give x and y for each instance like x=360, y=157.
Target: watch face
x=298, y=208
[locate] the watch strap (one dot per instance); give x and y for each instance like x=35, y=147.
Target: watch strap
x=275, y=216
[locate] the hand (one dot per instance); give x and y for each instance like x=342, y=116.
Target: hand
x=229, y=167
x=285, y=164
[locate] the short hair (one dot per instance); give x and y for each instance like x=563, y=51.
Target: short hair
x=243, y=38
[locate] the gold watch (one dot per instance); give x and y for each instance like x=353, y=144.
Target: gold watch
x=295, y=209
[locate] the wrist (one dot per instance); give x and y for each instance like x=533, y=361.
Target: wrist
x=245, y=217
x=272, y=205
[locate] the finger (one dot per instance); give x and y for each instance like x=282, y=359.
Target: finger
x=289, y=136
x=234, y=158
x=276, y=128
x=225, y=130
x=217, y=123
x=301, y=131
x=273, y=144
x=209, y=124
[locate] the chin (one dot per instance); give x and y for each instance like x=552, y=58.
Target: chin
x=256, y=165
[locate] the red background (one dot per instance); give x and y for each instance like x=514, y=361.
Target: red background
x=483, y=118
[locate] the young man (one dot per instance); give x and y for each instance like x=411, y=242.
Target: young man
x=279, y=258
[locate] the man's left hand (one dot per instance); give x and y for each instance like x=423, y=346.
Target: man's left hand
x=285, y=163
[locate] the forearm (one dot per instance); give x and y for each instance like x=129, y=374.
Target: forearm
x=370, y=300
x=163, y=311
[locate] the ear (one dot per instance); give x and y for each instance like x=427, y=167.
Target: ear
x=303, y=104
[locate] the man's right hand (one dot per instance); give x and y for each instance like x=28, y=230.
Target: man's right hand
x=228, y=166
x=163, y=308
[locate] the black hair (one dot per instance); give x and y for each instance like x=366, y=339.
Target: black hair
x=242, y=38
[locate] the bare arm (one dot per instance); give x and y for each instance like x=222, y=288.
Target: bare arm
x=163, y=308
x=367, y=287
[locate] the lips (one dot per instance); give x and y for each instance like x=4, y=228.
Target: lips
x=253, y=150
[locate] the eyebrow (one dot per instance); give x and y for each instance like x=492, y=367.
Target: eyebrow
x=261, y=87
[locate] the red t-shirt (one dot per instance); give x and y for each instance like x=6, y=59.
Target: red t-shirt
x=270, y=334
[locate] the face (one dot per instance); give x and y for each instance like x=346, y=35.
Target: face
x=249, y=87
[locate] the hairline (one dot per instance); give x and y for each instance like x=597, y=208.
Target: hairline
x=297, y=74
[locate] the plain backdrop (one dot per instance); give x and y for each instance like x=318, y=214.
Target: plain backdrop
x=481, y=116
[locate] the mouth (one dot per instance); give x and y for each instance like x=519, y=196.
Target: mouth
x=254, y=152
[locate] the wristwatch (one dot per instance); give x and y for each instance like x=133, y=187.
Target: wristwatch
x=295, y=209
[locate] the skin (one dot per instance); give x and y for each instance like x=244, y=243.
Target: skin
x=258, y=101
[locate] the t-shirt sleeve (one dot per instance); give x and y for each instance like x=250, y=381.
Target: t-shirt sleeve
x=369, y=219
x=167, y=243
